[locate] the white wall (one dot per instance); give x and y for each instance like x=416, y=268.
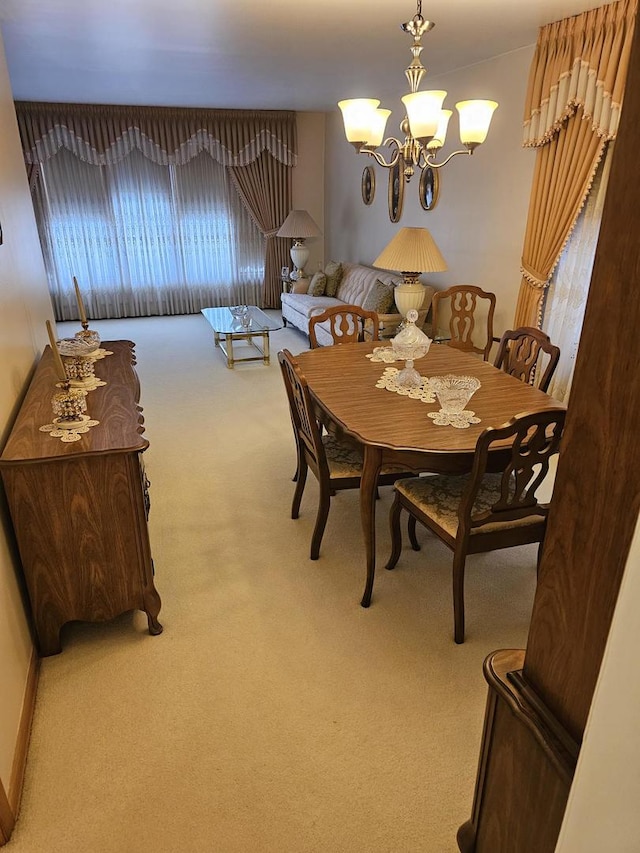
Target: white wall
x=480, y=220
x=24, y=307
x=308, y=180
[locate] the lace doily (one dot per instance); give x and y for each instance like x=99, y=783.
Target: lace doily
x=99, y=353
x=67, y=435
x=385, y=354
x=461, y=420
x=389, y=378
x=89, y=384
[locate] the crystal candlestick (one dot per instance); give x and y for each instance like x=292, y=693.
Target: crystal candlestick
x=69, y=406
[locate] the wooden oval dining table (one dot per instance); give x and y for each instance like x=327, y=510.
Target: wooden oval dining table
x=394, y=429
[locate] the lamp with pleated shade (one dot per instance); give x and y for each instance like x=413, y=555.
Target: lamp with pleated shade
x=300, y=226
x=412, y=251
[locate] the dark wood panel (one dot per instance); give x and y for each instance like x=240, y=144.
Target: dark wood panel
x=597, y=496
x=525, y=771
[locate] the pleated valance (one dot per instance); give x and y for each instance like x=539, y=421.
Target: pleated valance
x=582, y=62
x=103, y=134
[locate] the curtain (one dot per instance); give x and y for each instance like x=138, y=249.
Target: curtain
x=265, y=187
x=144, y=239
x=574, y=96
x=165, y=218
x=567, y=295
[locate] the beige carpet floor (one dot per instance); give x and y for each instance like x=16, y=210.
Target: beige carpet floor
x=274, y=714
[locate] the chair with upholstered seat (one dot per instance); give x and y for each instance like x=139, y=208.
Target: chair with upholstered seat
x=523, y=352
x=345, y=324
x=484, y=511
x=463, y=319
x=335, y=464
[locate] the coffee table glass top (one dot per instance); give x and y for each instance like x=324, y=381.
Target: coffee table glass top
x=223, y=322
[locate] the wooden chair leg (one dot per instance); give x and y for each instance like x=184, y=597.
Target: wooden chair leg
x=540, y=544
x=459, y=559
x=321, y=521
x=411, y=527
x=396, y=533
x=300, y=483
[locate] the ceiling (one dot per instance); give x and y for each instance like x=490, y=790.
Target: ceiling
x=234, y=53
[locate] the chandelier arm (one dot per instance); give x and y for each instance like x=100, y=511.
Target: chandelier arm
x=380, y=159
x=434, y=165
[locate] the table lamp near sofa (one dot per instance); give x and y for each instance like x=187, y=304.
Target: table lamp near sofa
x=412, y=251
x=300, y=226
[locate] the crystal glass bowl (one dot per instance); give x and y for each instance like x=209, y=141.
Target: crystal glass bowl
x=89, y=336
x=75, y=347
x=238, y=311
x=454, y=392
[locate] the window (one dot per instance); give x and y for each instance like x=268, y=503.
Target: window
x=144, y=238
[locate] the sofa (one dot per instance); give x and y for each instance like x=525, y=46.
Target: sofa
x=351, y=284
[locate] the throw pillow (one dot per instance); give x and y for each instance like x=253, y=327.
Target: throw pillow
x=301, y=285
x=318, y=284
x=333, y=272
x=379, y=299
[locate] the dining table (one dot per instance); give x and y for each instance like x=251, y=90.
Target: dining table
x=394, y=429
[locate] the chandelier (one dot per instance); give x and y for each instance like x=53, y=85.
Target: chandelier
x=425, y=124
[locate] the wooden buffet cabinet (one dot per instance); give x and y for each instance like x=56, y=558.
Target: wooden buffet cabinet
x=80, y=509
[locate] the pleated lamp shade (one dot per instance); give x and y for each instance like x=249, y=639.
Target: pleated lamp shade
x=298, y=224
x=412, y=251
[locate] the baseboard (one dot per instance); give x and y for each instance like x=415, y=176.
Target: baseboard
x=14, y=794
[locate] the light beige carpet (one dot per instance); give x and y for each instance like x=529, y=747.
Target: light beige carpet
x=273, y=714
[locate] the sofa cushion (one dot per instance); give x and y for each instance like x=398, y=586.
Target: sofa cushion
x=306, y=305
x=379, y=298
x=318, y=284
x=333, y=272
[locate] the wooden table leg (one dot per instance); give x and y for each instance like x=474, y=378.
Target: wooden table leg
x=229, y=351
x=368, y=490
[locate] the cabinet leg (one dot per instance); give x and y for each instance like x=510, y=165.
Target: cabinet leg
x=49, y=641
x=152, y=605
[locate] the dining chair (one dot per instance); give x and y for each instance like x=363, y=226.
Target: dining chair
x=346, y=324
x=335, y=464
x=483, y=511
x=522, y=352
x=462, y=321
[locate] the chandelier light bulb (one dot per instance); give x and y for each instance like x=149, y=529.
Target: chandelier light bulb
x=475, y=118
x=378, y=124
x=441, y=131
x=359, y=119
x=424, y=110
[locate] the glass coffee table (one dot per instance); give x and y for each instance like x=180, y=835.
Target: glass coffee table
x=228, y=329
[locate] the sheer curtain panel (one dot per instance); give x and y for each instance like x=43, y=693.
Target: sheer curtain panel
x=151, y=208
x=569, y=287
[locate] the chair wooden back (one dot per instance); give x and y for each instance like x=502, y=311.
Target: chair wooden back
x=533, y=439
x=305, y=425
x=346, y=324
x=520, y=354
x=464, y=299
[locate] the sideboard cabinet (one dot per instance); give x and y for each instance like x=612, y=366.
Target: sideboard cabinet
x=79, y=509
